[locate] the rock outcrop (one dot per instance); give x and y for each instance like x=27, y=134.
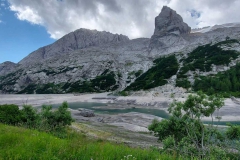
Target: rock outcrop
x=168, y=33
x=169, y=22
x=90, y=61
x=6, y=68
x=79, y=39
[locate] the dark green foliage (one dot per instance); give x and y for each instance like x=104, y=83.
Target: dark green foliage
x=30, y=89
x=204, y=56
x=183, y=83
x=30, y=117
x=233, y=132
x=10, y=114
x=185, y=133
x=138, y=73
x=123, y=93
x=47, y=120
x=227, y=83
x=157, y=75
x=79, y=87
x=49, y=88
x=105, y=72
x=55, y=120
x=104, y=82
x=63, y=116
x=171, y=127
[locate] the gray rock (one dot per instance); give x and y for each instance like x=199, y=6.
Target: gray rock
x=7, y=67
x=79, y=39
x=168, y=21
x=86, y=112
x=85, y=54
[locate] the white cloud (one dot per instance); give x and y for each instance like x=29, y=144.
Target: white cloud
x=28, y=14
x=134, y=18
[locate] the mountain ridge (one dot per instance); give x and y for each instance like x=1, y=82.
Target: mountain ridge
x=89, y=60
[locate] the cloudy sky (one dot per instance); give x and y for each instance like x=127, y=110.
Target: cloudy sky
x=26, y=25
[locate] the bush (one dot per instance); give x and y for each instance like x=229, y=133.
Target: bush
x=30, y=117
x=184, y=83
x=10, y=114
x=55, y=120
x=47, y=120
x=184, y=132
x=123, y=93
x=233, y=132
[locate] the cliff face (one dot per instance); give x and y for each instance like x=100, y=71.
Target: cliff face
x=93, y=61
x=169, y=22
x=79, y=39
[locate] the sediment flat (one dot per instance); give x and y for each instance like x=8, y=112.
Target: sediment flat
x=229, y=112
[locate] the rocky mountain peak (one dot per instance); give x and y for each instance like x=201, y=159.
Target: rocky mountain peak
x=79, y=39
x=168, y=21
x=7, y=67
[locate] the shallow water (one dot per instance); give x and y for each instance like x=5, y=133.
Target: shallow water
x=105, y=110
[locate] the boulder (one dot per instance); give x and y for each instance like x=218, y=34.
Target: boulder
x=86, y=112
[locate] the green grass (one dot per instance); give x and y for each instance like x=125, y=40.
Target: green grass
x=21, y=143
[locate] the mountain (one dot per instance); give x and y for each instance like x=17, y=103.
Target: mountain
x=7, y=67
x=93, y=61
x=79, y=39
x=211, y=28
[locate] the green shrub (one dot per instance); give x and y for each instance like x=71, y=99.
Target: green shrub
x=184, y=83
x=10, y=114
x=138, y=73
x=156, y=76
x=184, y=132
x=29, y=89
x=123, y=93
x=30, y=117
x=55, y=120
x=203, y=57
x=233, y=132
x=47, y=120
x=104, y=82
x=227, y=83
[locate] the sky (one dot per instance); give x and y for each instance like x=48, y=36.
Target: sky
x=26, y=25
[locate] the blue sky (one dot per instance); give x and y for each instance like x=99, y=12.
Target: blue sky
x=19, y=38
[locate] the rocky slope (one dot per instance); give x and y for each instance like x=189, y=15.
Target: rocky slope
x=7, y=67
x=92, y=61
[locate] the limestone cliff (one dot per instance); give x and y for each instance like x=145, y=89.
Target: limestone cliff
x=93, y=61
